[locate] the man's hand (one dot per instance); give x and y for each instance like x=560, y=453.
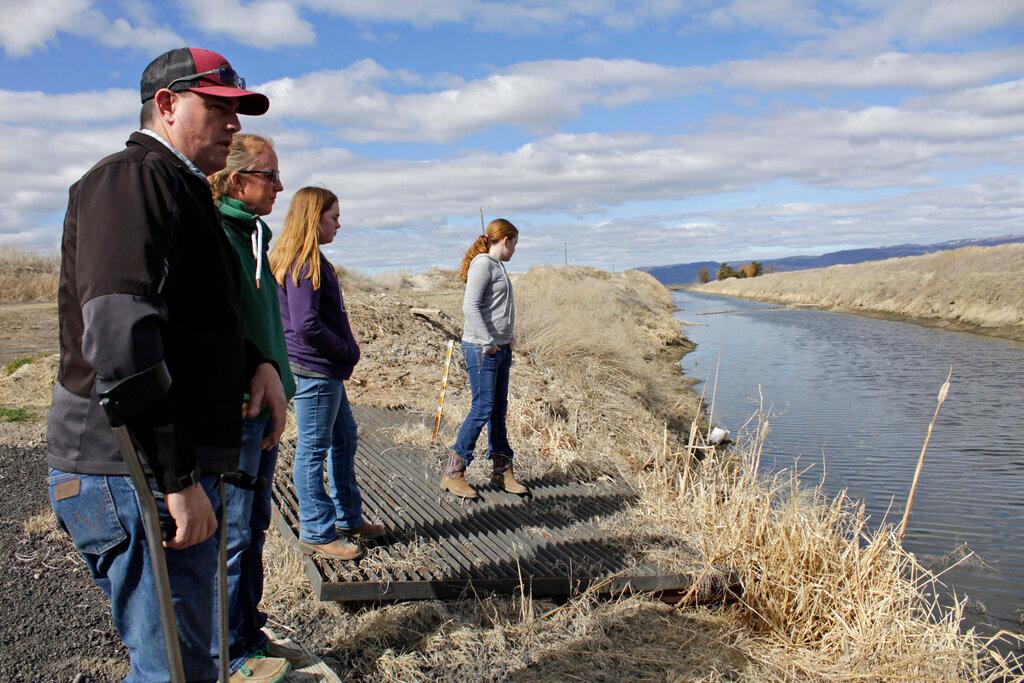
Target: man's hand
x=490, y=350
x=265, y=390
x=512, y=344
x=192, y=513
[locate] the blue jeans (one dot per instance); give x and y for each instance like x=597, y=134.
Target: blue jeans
x=327, y=431
x=488, y=382
x=248, y=518
x=103, y=518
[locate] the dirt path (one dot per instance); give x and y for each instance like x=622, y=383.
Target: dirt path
x=27, y=330
x=56, y=623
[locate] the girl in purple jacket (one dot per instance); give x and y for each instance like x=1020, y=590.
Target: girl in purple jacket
x=322, y=353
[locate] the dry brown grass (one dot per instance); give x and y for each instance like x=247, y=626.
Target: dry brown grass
x=515, y=638
x=825, y=596
x=27, y=276
x=595, y=382
x=41, y=524
x=975, y=286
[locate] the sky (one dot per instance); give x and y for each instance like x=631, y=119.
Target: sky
x=614, y=134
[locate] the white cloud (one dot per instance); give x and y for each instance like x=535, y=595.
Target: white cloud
x=39, y=108
x=42, y=109
x=534, y=95
x=799, y=17
x=928, y=71
x=996, y=99
x=264, y=24
x=537, y=96
x=508, y=17
x=582, y=175
x=921, y=22
x=28, y=27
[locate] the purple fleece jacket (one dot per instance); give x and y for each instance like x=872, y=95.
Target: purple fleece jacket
x=316, y=328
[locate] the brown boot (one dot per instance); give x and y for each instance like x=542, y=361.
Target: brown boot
x=454, y=480
x=262, y=669
x=338, y=549
x=366, y=531
x=503, y=476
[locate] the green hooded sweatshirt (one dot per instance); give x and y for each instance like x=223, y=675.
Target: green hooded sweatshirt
x=261, y=315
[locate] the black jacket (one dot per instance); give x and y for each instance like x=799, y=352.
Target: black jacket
x=147, y=276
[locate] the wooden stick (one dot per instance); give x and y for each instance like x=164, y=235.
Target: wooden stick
x=664, y=448
x=920, y=459
x=426, y=312
x=689, y=452
x=714, y=389
x=444, y=385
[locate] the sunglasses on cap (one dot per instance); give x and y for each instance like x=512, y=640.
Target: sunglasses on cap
x=225, y=74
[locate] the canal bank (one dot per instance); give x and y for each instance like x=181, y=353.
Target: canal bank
x=849, y=399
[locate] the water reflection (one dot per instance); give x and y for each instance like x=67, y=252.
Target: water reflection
x=851, y=398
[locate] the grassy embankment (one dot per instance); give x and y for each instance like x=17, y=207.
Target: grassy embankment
x=977, y=289
x=595, y=381
x=27, y=276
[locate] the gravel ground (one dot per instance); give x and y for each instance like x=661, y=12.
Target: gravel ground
x=57, y=625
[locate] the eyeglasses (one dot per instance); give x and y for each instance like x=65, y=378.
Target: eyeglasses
x=225, y=74
x=274, y=174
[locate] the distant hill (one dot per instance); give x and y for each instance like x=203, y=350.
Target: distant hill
x=686, y=273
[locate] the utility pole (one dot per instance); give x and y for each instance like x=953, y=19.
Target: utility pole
x=565, y=250
x=482, y=228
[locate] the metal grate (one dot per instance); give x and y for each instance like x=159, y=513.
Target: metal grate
x=441, y=547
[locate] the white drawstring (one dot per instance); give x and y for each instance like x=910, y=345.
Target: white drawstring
x=257, y=251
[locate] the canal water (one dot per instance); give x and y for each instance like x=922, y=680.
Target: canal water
x=850, y=399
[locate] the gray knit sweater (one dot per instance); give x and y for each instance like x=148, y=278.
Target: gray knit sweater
x=488, y=307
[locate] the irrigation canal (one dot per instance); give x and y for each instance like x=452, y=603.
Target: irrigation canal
x=850, y=399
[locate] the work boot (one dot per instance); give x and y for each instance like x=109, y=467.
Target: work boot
x=261, y=669
x=503, y=476
x=454, y=480
x=338, y=549
x=366, y=530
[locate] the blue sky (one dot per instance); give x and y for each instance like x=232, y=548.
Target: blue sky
x=637, y=133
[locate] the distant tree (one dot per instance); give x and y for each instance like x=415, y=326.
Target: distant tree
x=703, y=276
x=725, y=272
x=752, y=269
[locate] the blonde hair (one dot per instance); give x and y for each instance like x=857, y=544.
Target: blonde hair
x=299, y=243
x=245, y=147
x=496, y=231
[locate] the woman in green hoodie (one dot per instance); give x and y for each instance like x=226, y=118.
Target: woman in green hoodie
x=244, y=191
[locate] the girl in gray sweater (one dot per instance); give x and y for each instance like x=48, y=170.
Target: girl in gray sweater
x=488, y=337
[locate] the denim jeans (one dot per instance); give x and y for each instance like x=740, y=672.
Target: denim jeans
x=488, y=382
x=103, y=518
x=327, y=432
x=248, y=518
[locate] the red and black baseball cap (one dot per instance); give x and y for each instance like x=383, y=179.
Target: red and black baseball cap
x=201, y=71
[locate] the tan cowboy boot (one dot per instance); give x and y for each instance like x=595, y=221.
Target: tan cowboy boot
x=503, y=476
x=454, y=480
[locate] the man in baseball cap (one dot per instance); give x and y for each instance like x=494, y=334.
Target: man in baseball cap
x=149, y=301
x=200, y=71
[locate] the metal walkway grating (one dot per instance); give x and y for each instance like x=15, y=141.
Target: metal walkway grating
x=441, y=547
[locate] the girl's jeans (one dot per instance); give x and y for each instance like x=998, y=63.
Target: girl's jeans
x=488, y=382
x=327, y=432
